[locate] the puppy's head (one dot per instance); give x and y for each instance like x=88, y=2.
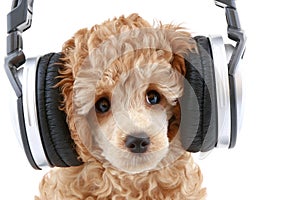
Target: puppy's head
x=126, y=80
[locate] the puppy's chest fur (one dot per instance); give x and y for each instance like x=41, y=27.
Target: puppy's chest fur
x=95, y=180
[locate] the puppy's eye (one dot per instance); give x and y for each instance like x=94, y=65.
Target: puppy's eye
x=152, y=97
x=102, y=105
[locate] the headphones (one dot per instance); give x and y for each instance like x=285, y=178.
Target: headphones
x=210, y=107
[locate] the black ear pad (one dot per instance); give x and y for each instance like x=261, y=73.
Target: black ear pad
x=57, y=142
x=199, y=114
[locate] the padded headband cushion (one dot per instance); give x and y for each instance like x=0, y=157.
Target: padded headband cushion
x=57, y=142
x=199, y=127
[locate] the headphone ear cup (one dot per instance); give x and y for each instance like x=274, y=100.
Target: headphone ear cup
x=198, y=110
x=56, y=139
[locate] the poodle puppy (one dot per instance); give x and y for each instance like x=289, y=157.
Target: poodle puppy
x=121, y=81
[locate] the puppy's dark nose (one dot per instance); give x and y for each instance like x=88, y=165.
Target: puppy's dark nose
x=138, y=143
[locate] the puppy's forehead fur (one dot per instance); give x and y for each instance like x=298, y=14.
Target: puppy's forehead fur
x=139, y=70
x=112, y=39
x=121, y=45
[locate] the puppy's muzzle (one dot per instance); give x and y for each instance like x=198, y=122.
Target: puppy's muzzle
x=138, y=143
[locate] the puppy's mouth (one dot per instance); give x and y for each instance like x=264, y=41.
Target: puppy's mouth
x=137, y=153
x=142, y=153
x=140, y=162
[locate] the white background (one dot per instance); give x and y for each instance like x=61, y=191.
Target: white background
x=265, y=163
